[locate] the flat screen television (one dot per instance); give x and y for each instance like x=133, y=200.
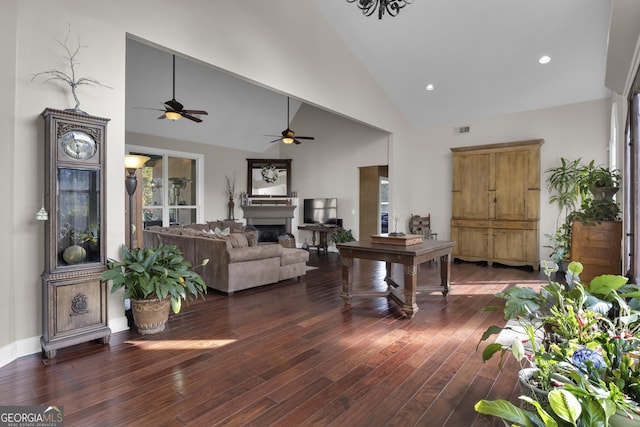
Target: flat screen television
x=320, y=211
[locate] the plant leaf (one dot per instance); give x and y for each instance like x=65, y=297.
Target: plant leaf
x=505, y=410
x=565, y=405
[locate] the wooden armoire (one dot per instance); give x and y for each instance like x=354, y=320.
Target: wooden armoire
x=496, y=203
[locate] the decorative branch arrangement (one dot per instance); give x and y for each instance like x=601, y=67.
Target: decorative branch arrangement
x=231, y=187
x=55, y=74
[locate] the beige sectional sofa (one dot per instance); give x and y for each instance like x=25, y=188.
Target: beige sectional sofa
x=236, y=261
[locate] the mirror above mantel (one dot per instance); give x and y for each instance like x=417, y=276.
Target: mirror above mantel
x=269, y=177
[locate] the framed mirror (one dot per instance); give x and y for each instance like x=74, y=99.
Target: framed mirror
x=269, y=177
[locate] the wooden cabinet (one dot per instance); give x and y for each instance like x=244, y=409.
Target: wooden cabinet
x=496, y=203
x=598, y=247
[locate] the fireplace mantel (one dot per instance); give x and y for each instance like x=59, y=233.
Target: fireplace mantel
x=268, y=211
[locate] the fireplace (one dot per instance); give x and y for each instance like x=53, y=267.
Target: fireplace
x=270, y=220
x=269, y=232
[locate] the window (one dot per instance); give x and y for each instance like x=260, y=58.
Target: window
x=172, y=189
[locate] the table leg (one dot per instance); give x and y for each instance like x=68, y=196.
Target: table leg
x=323, y=242
x=410, y=285
x=347, y=279
x=387, y=277
x=445, y=273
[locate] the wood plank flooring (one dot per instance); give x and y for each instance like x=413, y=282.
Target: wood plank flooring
x=289, y=354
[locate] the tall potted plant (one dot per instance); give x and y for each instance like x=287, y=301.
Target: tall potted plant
x=154, y=279
x=576, y=189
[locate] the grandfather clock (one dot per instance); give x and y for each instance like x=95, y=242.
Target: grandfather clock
x=74, y=299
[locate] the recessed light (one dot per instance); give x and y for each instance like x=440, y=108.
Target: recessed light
x=429, y=87
x=544, y=59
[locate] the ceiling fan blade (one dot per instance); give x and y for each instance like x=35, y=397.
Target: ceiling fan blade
x=201, y=112
x=193, y=118
x=295, y=141
x=305, y=137
x=275, y=140
x=162, y=117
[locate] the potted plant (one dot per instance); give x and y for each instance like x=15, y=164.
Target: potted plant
x=601, y=181
x=577, y=188
x=584, y=344
x=154, y=279
x=341, y=236
x=567, y=192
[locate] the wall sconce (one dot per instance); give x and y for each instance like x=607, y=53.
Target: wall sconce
x=131, y=164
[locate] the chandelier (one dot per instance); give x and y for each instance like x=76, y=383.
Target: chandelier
x=392, y=7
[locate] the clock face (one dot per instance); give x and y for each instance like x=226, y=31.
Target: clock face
x=78, y=145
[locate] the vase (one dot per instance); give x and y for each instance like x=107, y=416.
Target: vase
x=74, y=254
x=150, y=316
x=231, y=210
x=620, y=419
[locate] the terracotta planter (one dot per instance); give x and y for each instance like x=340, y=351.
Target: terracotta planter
x=150, y=316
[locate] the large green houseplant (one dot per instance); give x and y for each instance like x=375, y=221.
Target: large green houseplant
x=154, y=277
x=577, y=189
x=584, y=344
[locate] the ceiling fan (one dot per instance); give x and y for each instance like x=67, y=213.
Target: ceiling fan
x=289, y=136
x=174, y=110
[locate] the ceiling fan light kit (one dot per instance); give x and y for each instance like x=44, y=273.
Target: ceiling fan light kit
x=289, y=136
x=172, y=115
x=173, y=110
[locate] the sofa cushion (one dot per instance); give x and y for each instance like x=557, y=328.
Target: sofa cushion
x=292, y=256
x=254, y=253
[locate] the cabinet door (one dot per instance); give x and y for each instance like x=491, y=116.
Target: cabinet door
x=517, y=190
x=471, y=182
x=511, y=185
x=472, y=244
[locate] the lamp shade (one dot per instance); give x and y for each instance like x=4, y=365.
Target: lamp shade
x=135, y=161
x=172, y=115
x=287, y=140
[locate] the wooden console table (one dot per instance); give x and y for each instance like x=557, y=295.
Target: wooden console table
x=322, y=231
x=409, y=256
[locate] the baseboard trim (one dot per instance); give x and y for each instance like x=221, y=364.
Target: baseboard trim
x=28, y=346
x=16, y=349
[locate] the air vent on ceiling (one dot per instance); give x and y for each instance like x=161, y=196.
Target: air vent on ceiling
x=463, y=129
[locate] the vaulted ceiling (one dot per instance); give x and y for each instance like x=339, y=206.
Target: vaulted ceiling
x=480, y=56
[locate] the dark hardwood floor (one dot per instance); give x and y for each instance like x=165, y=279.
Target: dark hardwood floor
x=289, y=354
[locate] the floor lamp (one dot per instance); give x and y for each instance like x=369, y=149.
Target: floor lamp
x=132, y=163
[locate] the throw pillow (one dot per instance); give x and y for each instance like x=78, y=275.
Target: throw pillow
x=238, y=240
x=252, y=237
x=219, y=232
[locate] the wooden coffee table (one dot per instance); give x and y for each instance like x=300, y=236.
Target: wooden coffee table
x=409, y=256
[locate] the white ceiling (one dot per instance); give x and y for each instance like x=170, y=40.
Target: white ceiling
x=481, y=56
